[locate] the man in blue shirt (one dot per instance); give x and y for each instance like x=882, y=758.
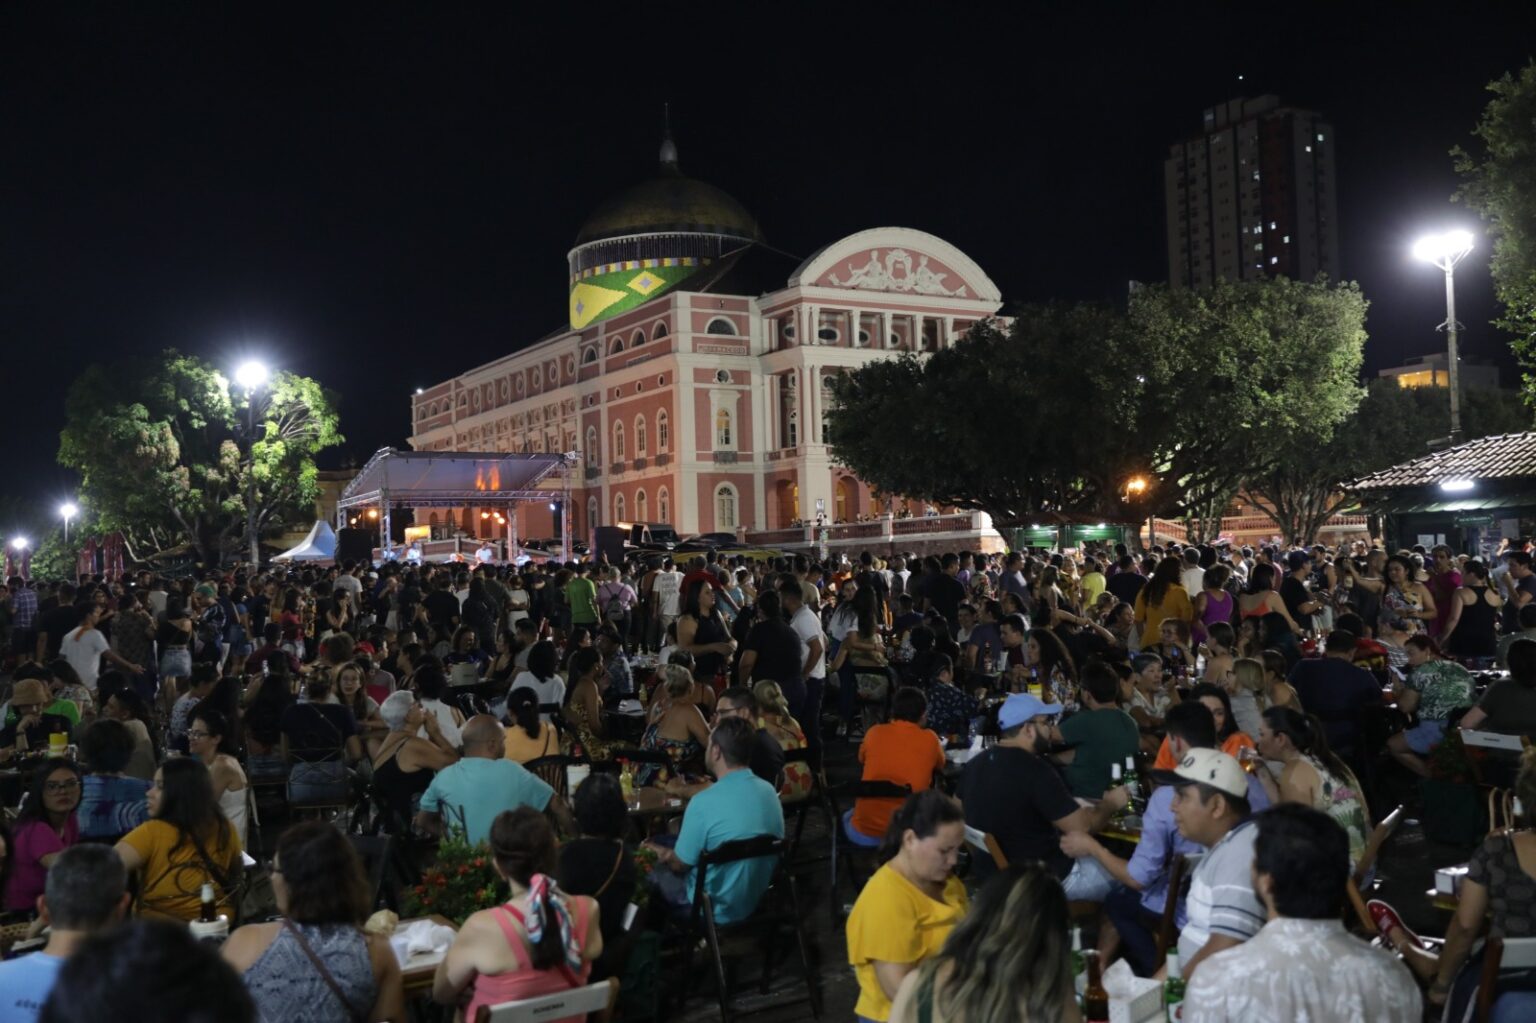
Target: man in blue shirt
x=474, y=791
x=738, y=805
x=1135, y=906
x=1334, y=689
x=86, y=893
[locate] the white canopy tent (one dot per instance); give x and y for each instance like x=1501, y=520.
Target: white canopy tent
x=454, y=479
x=319, y=545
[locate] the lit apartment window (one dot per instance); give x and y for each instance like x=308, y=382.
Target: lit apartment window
x=1271, y=225
x=1319, y=136
x=1309, y=149
x=1287, y=239
x=1273, y=260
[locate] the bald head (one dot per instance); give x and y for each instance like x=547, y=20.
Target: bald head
x=483, y=737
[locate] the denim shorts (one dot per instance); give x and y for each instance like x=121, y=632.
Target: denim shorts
x=1424, y=736
x=176, y=662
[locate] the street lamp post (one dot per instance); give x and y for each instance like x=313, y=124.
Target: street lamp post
x=1445, y=251
x=251, y=376
x=68, y=511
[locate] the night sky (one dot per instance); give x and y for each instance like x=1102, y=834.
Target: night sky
x=382, y=199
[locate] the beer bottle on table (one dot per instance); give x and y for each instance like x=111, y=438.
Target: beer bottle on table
x=1132, y=783
x=1079, y=977
x=1173, y=988
x=210, y=910
x=1095, y=998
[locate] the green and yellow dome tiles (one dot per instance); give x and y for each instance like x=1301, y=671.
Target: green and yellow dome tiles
x=665, y=229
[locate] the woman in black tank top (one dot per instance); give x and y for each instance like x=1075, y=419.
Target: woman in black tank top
x=1474, y=610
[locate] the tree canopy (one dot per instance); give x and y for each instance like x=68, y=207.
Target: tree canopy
x=1393, y=424
x=1060, y=409
x=1499, y=182
x=159, y=450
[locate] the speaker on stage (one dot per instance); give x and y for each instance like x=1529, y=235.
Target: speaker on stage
x=354, y=545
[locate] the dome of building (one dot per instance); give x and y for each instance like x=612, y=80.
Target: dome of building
x=669, y=203
x=649, y=239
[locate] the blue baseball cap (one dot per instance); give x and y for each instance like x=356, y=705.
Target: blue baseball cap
x=1020, y=707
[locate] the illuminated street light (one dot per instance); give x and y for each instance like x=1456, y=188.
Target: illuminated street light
x=1445, y=251
x=67, y=511
x=1456, y=486
x=251, y=374
x=19, y=543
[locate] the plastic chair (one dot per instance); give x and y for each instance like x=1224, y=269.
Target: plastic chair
x=1501, y=955
x=983, y=842
x=593, y=1002
x=765, y=920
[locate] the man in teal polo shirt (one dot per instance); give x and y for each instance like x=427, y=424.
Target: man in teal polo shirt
x=482, y=785
x=738, y=805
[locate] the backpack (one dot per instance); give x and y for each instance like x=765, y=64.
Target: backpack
x=613, y=610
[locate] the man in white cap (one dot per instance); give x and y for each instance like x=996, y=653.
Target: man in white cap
x=1211, y=807
x=1012, y=792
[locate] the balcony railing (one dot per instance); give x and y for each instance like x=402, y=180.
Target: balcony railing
x=639, y=464
x=663, y=460
x=725, y=457
x=593, y=472
x=615, y=468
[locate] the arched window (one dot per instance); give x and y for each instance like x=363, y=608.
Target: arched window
x=794, y=429
x=594, y=457
x=638, y=339
x=658, y=331
x=588, y=356
x=720, y=325
x=723, y=433
x=640, y=438
x=725, y=507
x=663, y=506
x=642, y=513
x=618, y=508
x=618, y=442
x=592, y=520
x=432, y=520
x=616, y=347
x=663, y=431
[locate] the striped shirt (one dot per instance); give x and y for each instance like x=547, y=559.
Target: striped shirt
x=1221, y=897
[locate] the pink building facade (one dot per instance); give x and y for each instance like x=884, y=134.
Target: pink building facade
x=696, y=406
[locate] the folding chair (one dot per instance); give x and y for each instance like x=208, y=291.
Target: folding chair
x=843, y=850
x=552, y=769
x=593, y=1002
x=376, y=853
x=983, y=842
x=765, y=920
x=1501, y=956
x=817, y=797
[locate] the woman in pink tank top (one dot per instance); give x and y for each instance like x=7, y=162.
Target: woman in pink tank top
x=541, y=941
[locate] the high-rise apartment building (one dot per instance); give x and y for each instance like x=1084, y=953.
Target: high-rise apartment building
x=1254, y=195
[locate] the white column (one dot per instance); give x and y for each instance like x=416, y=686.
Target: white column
x=949, y=331
x=885, y=330
x=685, y=447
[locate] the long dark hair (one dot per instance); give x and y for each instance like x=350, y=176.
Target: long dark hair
x=1165, y=576
x=691, y=600
x=524, y=844
x=1229, y=728
x=34, y=809
x=864, y=608
x=923, y=814
x=1262, y=578
x=543, y=660
x=1053, y=654
x=1521, y=658
x=187, y=802
x=1306, y=733
x=523, y=707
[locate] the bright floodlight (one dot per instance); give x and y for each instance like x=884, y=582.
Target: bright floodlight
x=20, y=543
x=251, y=375
x=1456, y=486
x=1440, y=249
x=68, y=510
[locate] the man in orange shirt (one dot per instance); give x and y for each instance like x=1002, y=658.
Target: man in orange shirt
x=902, y=751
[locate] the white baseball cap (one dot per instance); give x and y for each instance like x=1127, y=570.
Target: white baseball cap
x=1208, y=767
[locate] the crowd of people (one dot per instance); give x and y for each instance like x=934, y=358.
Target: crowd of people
x=1228, y=686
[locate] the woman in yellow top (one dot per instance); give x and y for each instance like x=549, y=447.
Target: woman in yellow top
x=1008, y=960
x=1163, y=597
x=186, y=843
x=529, y=737
x=912, y=902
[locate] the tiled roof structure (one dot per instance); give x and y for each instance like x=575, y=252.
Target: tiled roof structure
x=1506, y=456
